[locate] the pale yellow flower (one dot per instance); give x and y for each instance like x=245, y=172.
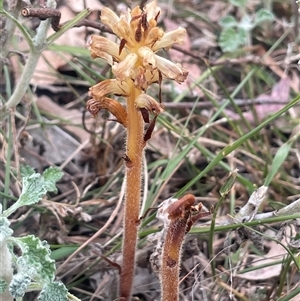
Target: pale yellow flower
x=140, y=35
x=135, y=60
x=109, y=86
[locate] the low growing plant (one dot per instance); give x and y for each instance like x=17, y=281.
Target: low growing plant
x=237, y=33
x=26, y=264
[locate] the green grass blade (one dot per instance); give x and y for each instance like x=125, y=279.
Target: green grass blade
x=228, y=149
x=279, y=158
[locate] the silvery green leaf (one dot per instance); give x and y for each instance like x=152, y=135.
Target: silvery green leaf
x=18, y=285
x=3, y=285
x=35, y=259
x=263, y=15
x=239, y=3
x=35, y=186
x=242, y=36
x=5, y=231
x=230, y=40
x=228, y=22
x=51, y=176
x=26, y=171
x=54, y=291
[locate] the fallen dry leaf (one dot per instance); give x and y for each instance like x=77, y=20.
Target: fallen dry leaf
x=276, y=253
x=74, y=116
x=280, y=91
x=261, y=52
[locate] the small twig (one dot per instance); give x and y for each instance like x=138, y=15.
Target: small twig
x=55, y=15
x=44, y=14
x=41, y=13
x=93, y=24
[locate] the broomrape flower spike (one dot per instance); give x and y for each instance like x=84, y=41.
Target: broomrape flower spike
x=134, y=61
x=135, y=66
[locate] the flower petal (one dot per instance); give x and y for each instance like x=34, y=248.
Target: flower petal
x=124, y=69
x=170, y=70
x=176, y=36
x=148, y=57
x=153, y=35
x=149, y=103
x=109, y=86
x=113, y=106
x=109, y=17
x=152, y=10
x=119, y=26
x=98, y=46
x=136, y=12
x=123, y=30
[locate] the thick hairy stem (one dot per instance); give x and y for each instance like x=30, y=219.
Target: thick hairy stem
x=133, y=160
x=171, y=258
x=179, y=215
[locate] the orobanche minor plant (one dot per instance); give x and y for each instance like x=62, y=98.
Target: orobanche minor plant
x=31, y=267
x=135, y=65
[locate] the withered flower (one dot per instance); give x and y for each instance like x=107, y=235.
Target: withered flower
x=134, y=61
